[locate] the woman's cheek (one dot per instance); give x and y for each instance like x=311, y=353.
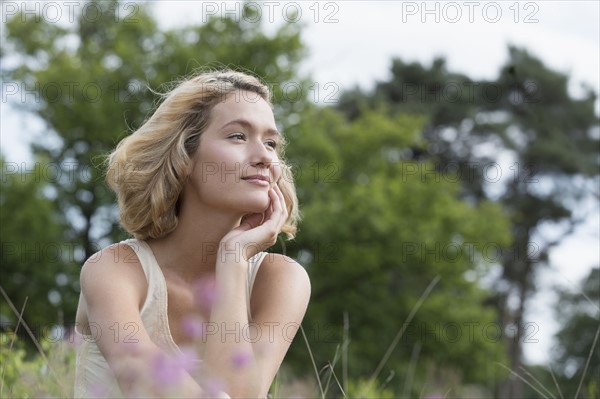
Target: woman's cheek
x=278, y=172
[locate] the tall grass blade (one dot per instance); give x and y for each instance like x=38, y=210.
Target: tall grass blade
x=524, y=380
x=345, y=344
x=19, y=320
x=410, y=374
x=387, y=380
x=556, y=383
x=400, y=333
x=538, y=382
x=12, y=342
x=331, y=366
x=312, y=359
x=587, y=363
x=422, y=391
x=32, y=336
x=29, y=332
x=339, y=385
x=331, y=369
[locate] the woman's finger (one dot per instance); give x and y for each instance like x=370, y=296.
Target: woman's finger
x=278, y=204
x=282, y=204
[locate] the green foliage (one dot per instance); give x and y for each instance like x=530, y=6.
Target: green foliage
x=377, y=229
x=26, y=376
x=579, y=315
x=37, y=266
x=526, y=114
x=364, y=389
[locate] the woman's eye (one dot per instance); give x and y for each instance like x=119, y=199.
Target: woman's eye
x=238, y=136
x=272, y=144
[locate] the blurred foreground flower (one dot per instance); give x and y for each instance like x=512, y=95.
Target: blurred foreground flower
x=241, y=359
x=169, y=370
x=193, y=327
x=205, y=292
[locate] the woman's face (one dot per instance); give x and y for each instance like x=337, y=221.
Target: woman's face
x=237, y=159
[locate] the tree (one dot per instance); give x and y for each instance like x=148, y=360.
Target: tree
x=89, y=82
x=579, y=315
x=374, y=223
x=36, y=263
x=527, y=115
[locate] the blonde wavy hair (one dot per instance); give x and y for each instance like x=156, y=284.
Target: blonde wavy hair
x=149, y=168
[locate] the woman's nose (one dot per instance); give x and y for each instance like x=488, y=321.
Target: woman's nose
x=262, y=155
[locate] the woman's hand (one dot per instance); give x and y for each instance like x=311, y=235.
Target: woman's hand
x=258, y=231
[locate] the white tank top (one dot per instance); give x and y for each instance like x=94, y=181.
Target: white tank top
x=93, y=376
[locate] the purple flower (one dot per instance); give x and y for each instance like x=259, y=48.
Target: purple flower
x=168, y=370
x=205, y=292
x=98, y=391
x=193, y=327
x=241, y=359
x=214, y=388
x=131, y=347
x=74, y=339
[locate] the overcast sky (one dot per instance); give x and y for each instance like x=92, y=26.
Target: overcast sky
x=352, y=43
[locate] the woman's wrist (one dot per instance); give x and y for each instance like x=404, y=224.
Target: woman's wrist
x=231, y=259
x=236, y=252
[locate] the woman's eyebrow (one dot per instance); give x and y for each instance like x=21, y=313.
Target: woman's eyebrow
x=246, y=124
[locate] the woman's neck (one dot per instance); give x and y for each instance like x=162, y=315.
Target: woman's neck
x=190, y=250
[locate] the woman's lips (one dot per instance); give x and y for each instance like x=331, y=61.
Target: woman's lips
x=258, y=180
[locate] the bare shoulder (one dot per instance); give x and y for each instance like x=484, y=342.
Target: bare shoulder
x=117, y=258
x=113, y=290
x=111, y=270
x=280, y=267
x=280, y=277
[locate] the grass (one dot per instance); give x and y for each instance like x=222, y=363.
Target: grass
x=531, y=381
x=51, y=372
x=39, y=376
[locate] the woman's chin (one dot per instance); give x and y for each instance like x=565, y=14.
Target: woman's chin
x=257, y=206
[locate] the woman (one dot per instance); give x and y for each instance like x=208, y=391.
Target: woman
x=203, y=190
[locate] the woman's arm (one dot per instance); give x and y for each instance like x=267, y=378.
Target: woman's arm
x=246, y=357
x=280, y=298
x=114, y=288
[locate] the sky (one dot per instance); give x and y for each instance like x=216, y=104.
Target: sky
x=351, y=43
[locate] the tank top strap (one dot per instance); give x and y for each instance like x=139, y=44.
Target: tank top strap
x=148, y=262
x=253, y=266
